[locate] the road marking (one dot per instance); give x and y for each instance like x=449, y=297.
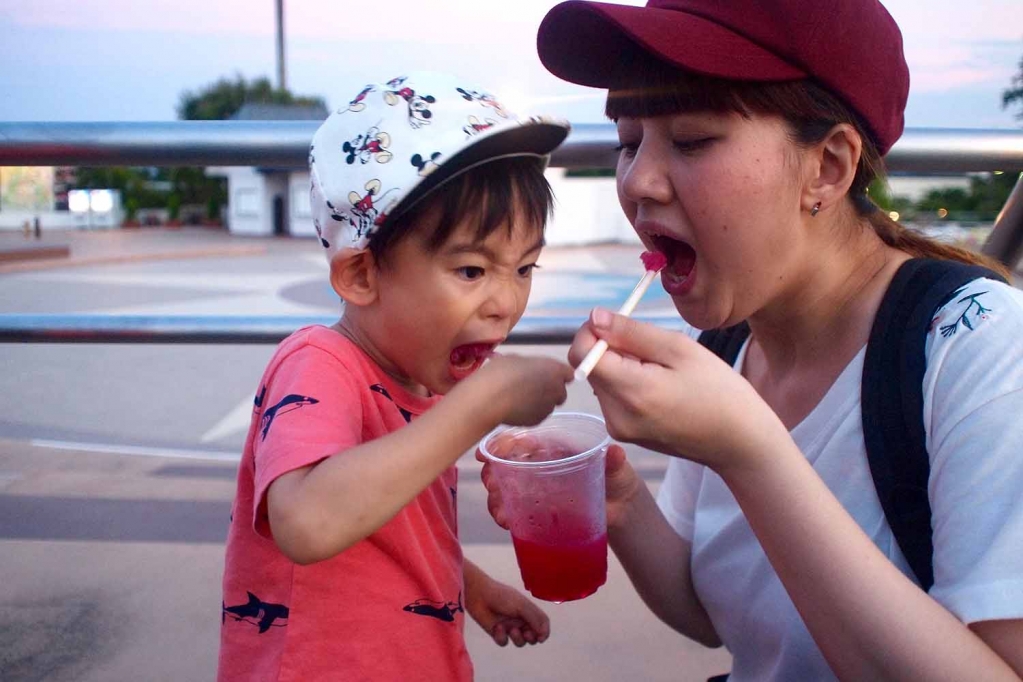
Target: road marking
x=7, y=478
x=137, y=450
x=237, y=420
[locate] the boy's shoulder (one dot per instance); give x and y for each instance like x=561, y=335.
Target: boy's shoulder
x=317, y=337
x=317, y=346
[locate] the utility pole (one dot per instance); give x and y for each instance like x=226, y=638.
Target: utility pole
x=281, y=82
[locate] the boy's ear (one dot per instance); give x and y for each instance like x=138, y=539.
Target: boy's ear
x=353, y=274
x=835, y=159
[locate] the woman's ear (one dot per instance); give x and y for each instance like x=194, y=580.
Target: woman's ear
x=353, y=274
x=835, y=160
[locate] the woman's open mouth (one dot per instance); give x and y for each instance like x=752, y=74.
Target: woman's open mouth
x=679, y=276
x=467, y=358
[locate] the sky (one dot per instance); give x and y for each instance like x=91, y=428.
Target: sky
x=130, y=60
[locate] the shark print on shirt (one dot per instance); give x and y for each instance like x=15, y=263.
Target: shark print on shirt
x=256, y=612
x=378, y=388
x=444, y=611
x=292, y=402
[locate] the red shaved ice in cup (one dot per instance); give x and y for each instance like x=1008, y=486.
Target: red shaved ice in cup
x=551, y=480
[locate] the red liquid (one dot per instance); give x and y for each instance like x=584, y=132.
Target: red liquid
x=564, y=571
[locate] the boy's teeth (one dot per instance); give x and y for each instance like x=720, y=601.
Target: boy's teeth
x=469, y=354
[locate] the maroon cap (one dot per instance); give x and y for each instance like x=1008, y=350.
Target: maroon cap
x=851, y=47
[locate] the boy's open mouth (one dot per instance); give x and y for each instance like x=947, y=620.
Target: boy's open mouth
x=467, y=358
x=677, y=274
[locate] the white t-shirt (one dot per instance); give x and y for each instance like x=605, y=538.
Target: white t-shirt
x=973, y=406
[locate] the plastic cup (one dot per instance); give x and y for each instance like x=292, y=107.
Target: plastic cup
x=551, y=479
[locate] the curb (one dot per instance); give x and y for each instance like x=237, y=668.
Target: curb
x=84, y=261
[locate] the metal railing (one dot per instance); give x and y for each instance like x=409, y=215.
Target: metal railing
x=284, y=145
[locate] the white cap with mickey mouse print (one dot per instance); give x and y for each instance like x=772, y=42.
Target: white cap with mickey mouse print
x=395, y=142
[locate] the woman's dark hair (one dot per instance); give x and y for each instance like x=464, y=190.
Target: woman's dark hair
x=492, y=195
x=655, y=88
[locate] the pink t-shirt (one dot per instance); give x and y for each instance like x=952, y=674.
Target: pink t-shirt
x=387, y=608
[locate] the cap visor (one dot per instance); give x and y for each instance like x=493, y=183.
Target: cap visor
x=537, y=138
x=590, y=43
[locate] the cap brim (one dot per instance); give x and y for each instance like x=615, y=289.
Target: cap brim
x=589, y=43
x=537, y=137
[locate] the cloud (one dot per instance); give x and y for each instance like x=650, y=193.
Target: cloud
x=950, y=44
x=381, y=21
x=955, y=49
x=936, y=69
x=197, y=16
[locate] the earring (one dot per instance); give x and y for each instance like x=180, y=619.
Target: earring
x=815, y=210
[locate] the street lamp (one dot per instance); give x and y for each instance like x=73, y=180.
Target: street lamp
x=281, y=82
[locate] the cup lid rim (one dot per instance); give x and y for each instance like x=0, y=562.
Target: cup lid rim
x=605, y=441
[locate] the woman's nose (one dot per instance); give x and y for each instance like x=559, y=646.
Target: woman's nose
x=643, y=177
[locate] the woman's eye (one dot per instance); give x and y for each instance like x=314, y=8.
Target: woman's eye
x=471, y=272
x=626, y=149
x=690, y=146
x=527, y=270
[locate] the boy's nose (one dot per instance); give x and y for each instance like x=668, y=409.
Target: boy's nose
x=502, y=302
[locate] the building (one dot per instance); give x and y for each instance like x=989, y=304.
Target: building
x=269, y=201
x=275, y=201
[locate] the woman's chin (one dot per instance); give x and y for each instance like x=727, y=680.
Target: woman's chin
x=696, y=314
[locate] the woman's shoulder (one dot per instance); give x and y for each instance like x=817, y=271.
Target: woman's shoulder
x=982, y=310
x=974, y=341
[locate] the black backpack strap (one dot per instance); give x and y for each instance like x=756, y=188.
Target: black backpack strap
x=725, y=343
x=892, y=400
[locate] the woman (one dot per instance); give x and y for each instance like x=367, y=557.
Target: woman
x=750, y=131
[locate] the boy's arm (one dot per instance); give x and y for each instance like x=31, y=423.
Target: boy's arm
x=315, y=512
x=503, y=612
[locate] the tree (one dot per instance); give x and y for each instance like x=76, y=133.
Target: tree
x=137, y=185
x=987, y=195
x=218, y=101
x=222, y=99
x=1014, y=93
x=173, y=188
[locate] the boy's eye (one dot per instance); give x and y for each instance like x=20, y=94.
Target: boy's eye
x=527, y=270
x=471, y=272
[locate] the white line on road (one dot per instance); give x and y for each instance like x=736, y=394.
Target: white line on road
x=237, y=420
x=137, y=450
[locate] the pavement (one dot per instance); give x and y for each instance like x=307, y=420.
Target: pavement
x=117, y=464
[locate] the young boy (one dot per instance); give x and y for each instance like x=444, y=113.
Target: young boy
x=343, y=559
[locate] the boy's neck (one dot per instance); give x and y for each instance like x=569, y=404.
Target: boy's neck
x=349, y=328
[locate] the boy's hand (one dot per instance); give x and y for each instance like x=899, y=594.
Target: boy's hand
x=505, y=613
x=527, y=388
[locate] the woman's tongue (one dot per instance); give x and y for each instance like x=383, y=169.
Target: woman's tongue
x=467, y=358
x=681, y=261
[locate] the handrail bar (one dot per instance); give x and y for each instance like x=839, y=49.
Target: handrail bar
x=239, y=329
x=285, y=144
